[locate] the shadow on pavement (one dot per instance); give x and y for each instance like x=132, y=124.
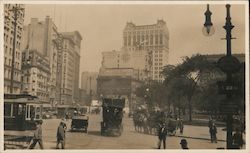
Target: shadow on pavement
x=97, y=133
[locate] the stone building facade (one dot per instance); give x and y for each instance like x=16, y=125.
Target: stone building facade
x=152, y=39
x=8, y=47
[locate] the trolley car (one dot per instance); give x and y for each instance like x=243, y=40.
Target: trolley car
x=21, y=112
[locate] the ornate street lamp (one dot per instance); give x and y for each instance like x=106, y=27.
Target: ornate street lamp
x=208, y=29
x=229, y=65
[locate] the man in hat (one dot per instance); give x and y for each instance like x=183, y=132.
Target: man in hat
x=184, y=144
x=162, y=135
x=213, y=132
x=61, y=135
x=238, y=139
x=37, y=136
x=63, y=121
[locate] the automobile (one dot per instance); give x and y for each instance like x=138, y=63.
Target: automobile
x=80, y=123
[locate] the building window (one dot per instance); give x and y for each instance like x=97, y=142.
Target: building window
x=161, y=39
x=147, y=40
x=6, y=49
x=156, y=39
x=151, y=39
x=7, y=109
x=129, y=40
x=138, y=39
x=125, y=41
x=134, y=40
x=10, y=52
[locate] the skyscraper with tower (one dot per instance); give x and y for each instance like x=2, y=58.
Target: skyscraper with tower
x=153, y=39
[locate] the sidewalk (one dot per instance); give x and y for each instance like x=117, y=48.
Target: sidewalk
x=201, y=132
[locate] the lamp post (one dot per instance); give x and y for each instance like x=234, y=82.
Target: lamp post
x=229, y=65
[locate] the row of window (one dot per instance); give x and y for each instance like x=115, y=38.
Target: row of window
x=30, y=111
x=160, y=60
x=143, y=40
x=160, y=55
x=7, y=89
x=9, y=63
x=7, y=74
x=143, y=32
x=10, y=50
x=160, y=64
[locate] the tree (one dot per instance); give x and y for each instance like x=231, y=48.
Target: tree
x=153, y=93
x=191, y=68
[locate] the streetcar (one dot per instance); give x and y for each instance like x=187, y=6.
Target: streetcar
x=21, y=113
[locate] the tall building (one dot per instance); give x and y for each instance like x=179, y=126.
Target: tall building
x=35, y=75
x=89, y=83
x=119, y=83
x=154, y=39
x=70, y=67
x=8, y=47
x=42, y=36
x=138, y=60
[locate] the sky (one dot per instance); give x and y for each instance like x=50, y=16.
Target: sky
x=101, y=26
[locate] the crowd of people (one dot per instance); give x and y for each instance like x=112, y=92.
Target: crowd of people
x=163, y=126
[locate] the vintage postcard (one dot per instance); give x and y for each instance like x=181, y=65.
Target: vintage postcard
x=124, y=76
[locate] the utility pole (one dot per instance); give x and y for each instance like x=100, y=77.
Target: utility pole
x=16, y=10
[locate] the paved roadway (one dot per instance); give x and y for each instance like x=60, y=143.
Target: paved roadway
x=129, y=138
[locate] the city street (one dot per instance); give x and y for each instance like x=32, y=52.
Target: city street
x=135, y=68
x=198, y=137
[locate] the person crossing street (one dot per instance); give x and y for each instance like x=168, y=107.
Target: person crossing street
x=37, y=136
x=61, y=135
x=162, y=135
x=213, y=132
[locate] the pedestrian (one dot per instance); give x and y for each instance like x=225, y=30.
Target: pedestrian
x=63, y=121
x=213, y=132
x=238, y=139
x=162, y=135
x=67, y=116
x=181, y=126
x=210, y=122
x=37, y=136
x=60, y=136
x=184, y=144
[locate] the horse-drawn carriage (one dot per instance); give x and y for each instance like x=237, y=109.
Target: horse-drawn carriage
x=149, y=122
x=172, y=126
x=112, y=116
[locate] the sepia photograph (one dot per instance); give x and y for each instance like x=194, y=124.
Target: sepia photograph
x=121, y=75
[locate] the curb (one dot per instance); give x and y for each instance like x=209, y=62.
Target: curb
x=198, y=138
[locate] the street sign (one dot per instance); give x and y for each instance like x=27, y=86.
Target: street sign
x=227, y=87
x=229, y=108
x=229, y=64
